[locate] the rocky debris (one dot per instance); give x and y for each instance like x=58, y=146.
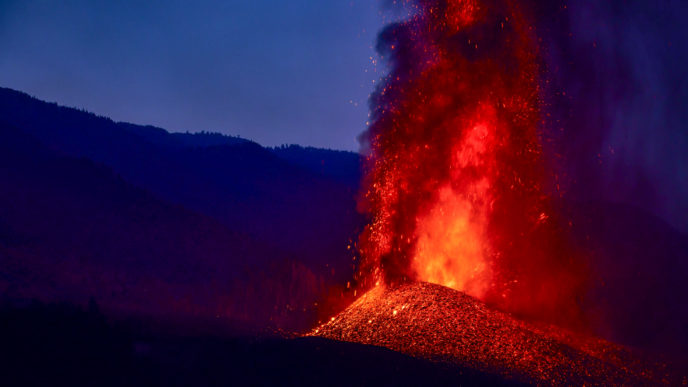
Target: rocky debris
x=434, y=322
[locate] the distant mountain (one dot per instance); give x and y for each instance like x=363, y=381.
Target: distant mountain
x=338, y=165
x=299, y=199
x=179, y=224
x=71, y=229
x=164, y=138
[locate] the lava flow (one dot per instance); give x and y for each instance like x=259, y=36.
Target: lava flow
x=454, y=168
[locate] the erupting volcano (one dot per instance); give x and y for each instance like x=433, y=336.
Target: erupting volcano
x=510, y=214
x=455, y=179
x=460, y=195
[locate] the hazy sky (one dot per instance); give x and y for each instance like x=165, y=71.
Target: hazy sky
x=275, y=71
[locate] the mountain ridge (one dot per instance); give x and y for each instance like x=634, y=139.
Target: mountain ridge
x=236, y=181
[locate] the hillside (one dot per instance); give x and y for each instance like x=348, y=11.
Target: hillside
x=61, y=345
x=71, y=229
x=235, y=181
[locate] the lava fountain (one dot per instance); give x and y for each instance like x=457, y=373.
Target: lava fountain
x=454, y=173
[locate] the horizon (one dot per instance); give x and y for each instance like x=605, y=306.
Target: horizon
x=206, y=132
x=286, y=73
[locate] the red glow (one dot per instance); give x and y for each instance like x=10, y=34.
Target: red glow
x=455, y=173
x=434, y=322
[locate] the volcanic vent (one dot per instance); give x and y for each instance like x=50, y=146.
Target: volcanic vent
x=455, y=178
x=438, y=323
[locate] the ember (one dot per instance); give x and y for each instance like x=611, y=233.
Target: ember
x=454, y=170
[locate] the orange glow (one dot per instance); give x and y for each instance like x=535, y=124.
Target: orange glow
x=454, y=170
x=452, y=247
x=435, y=322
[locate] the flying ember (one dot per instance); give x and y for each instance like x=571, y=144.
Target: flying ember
x=455, y=176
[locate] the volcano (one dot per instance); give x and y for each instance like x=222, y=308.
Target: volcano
x=437, y=323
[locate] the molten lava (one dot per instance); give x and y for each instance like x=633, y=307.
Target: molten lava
x=454, y=169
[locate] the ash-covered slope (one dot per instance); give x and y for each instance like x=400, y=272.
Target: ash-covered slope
x=434, y=322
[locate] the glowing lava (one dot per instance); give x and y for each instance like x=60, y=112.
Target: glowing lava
x=433, y=322
x=451, y=248
x=454, y=170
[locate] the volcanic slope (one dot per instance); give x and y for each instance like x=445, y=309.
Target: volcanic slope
x=437, y=323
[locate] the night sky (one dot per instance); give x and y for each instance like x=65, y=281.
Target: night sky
x=301, y=71
x=297, y=71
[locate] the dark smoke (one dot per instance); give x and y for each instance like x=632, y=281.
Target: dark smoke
x=621, y=128
x=617, y=138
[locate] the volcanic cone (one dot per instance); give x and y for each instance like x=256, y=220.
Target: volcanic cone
x=438, y=323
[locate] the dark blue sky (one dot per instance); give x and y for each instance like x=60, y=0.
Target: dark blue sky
x=300, y=71
x=274, y=71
